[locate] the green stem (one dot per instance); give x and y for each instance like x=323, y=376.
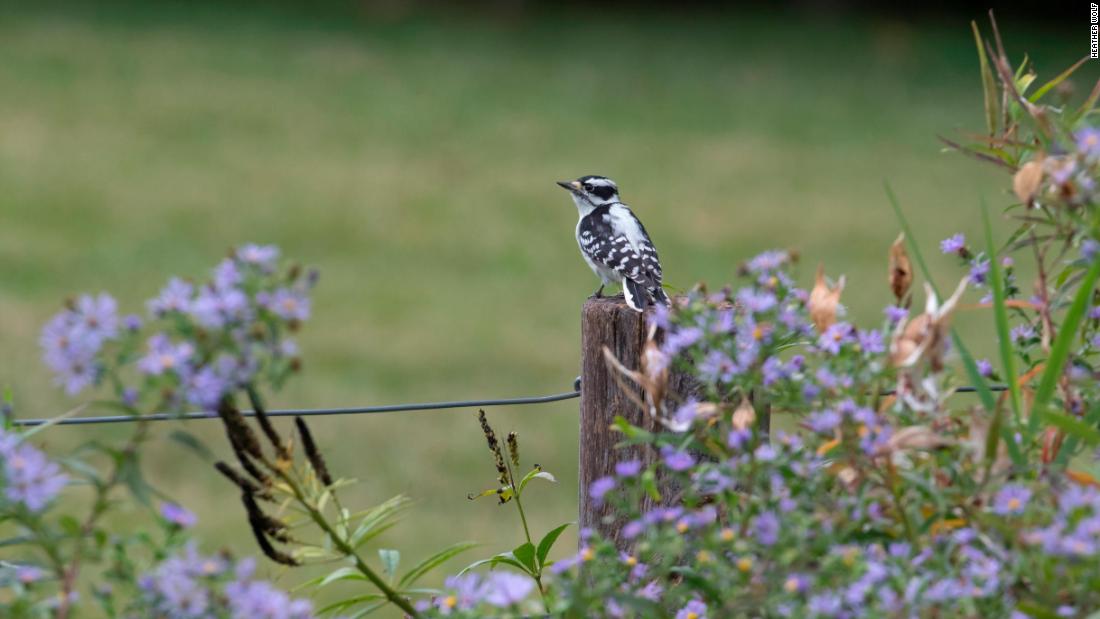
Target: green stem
x=344, y=547
x=537, y=575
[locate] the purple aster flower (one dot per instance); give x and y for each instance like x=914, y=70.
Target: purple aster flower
x=30, y=478
x=681, y=338
x=979, y=271
x=628, y=468
x=756, y=301
x=97, y=317
x=765, y=453
x=1021, y=333
x=985, y=368
x=227, y=275
x=177, y=515
x=836, y=336
x=165, y=356
x=286, y=304
x=717, y=367
x=600, y=487
x=1012, y=499
x=823, y=422
x=1094, y=312
x=772, y=370
x=766, y=528
x=504, y=589
x=72, y=339
x=132, y=322
x=660, y=316
x=694, y=609
x=261, y=600
x=633, y=529
x=263, y=256
x=174, y=297
x=871, y=342
x=1089, y=249
x=1088, y=142
x=953, y=244
x=676, y=459
x=826, y=604
x=215, y=307
x=895, y=314
x=737, y=439
x=767, y=261
x=684, y=414
x=724, y=323
x=651, y=591
x=28, y=574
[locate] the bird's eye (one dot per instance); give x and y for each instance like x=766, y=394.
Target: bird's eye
x=587, y=187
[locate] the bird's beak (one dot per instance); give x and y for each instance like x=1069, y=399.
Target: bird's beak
x=570, y=185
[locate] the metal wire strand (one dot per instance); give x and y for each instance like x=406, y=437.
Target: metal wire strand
x=359, y=410
x=316, y=412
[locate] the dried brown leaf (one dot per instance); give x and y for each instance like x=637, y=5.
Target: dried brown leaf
x=901, y=269
x=745, y=415
x=824, y=300
x=1027, y=180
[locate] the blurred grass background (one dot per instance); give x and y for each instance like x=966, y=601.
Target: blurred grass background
x=410, y=156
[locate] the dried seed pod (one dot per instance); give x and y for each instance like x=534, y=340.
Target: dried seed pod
x=247, y=464
x=238, y=429
x=262, y=526
x=312, y=453
x=745, y=415
x=241, y=482
x=494, y=447
x=513, y=448
x=267, y=427
x=901, y=269
x=1027, y=180
x=824, y=300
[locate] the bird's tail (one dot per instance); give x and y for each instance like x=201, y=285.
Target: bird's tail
x=635, y=295
x=659, y=295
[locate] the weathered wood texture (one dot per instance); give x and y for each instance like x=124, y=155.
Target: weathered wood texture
x=610, y=322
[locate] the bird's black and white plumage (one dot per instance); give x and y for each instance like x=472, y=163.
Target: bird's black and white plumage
x=614, y=242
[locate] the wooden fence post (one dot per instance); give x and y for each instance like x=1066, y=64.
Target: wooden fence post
x=609, y=322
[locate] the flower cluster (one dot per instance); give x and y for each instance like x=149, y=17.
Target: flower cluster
x=29, y=479
x=204, y=341
x=192, y=585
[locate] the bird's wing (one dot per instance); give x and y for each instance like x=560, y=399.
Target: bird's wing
x=609, y=245
x=624, y=222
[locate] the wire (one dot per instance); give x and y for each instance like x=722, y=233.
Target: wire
x=316, y=412
x=360, y=410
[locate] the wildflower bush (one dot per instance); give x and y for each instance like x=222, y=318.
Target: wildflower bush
x=887, y=492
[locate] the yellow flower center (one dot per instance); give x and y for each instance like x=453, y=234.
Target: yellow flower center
x=450, y=601
x=727, y=535
x=682, y=527
x=1014, y=504
x=791, y=585
x=587, y=554
x=702, y=556
x=744, y=564
x=692, y=615
x=630, y=561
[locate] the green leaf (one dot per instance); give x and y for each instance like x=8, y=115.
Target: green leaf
x=1073, y=426
x=525, y=554
x=130, y=473
x=1034, y=98
x=536, y=473
x=390, y=559
x=1059, y=350
x=377, y=520
x=506, y=558
x=989, y=85
x=343, y=573
x=1000, y=319
x=547, y=542
x=432, y=562
x=348, y=603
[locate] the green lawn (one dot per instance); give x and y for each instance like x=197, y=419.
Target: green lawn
x=412, y=160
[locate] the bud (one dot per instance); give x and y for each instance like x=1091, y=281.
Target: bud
x=824, y=300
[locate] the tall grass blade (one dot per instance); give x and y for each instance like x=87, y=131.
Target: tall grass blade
x=1059, y=350
x=989, y=84
x=1045, y=88
x=1000, y=319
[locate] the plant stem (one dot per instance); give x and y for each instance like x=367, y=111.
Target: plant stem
x=537, y=574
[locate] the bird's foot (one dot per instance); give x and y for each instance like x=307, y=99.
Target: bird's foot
x=598, y=294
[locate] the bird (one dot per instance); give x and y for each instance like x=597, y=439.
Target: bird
x=614, y=242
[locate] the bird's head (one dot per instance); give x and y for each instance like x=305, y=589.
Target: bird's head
x=592, y=191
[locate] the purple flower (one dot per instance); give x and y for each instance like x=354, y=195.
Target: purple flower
x=681, y=338
x=871, y=342
x=836, y=336
x=165, y=356
x=694, y=609
x=1012, y=499
x=27, y=574
x=467, y=592
x=773, y=370
x=1021, y=333
x=895, y=314
x=97, y=317
x=717, y=367
x=132, y=322
x=261, y=600
x=263, y=256
x=286, y=304
x=767, y=261
x=684, y=414
x=174, y=297
x=985, y=368
x=177, y=515
x=633, y=529
x=215, y=307
x=30, y=478
x=676, y=459
x=206, y=388
x=600, y=487
x=628, y=468
x=755, y=301
x=766, y=528
x=825, y=604
x=1088, y=142
x=979, y=271
x=1089, y=249
x=227, y=275
x=72, y=339
x=504, y=589
x=824, y=422
x=737, y=439
x=953, y=244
